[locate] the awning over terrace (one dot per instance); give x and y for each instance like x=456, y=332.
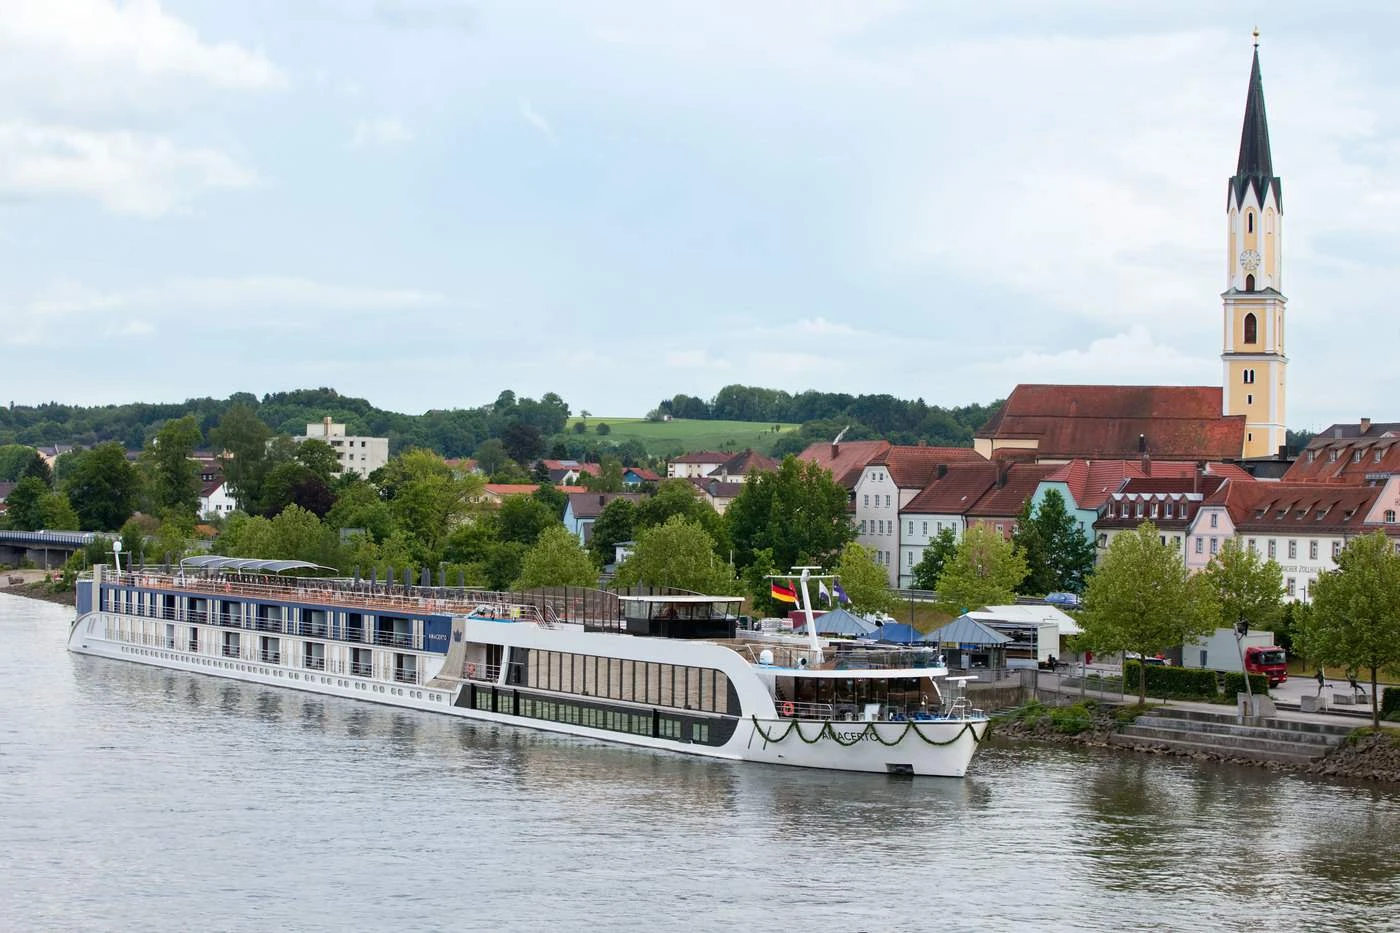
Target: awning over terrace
x=217, y=562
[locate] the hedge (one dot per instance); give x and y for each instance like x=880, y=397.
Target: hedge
x=1390, y=704
x=1184, y=683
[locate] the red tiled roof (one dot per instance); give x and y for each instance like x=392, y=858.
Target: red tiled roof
x=1005, y=501
x=1178, y=422
x=1335, y=457
x=844, y=460
x=956, y=491
x=1301, y=508
x=1091, y=482
x=643, y=474
x=914, y=467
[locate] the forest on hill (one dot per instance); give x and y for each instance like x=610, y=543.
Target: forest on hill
x=526, y=426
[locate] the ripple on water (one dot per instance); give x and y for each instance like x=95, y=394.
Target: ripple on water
x=132, y=797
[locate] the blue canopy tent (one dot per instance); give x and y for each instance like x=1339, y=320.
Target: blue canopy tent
x=971, y=642
x=897, y=633
x=841, y=622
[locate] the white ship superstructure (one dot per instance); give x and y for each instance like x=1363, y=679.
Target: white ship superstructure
x=666, y=671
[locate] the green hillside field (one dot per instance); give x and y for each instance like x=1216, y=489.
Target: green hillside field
x=666, y=438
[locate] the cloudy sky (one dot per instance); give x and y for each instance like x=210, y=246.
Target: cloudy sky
x=424, y=202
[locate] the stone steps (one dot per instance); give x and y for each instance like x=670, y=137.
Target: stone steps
x=1218, y=751
x=1221, y=734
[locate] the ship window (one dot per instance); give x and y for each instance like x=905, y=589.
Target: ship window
x=315, y=656
x=1251, y=327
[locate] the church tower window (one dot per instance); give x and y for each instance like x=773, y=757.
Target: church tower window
x=1251, y=323
x=1249, y=223
x=1249, y=287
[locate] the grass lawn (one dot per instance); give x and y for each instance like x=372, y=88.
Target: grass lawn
x=666, y=438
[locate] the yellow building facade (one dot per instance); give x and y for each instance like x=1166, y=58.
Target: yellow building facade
x=1255, y=364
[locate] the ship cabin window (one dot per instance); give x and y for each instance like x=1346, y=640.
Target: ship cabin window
x=230, y=613
x=361, y=662
x=270, y=650
x=393, y=631
x=170, y=636
x=406, y=668
x=231, y=645
x=193, y=643
x=315, y=656
x=648, y=683
x=852, y=699
x=313, y=622
x=268, y=618
x=680, y=616
x=354, y=626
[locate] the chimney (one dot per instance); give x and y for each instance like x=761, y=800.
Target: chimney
x=1142, y=443
x=942, y=470
x=1146, y=463
x=602, y=499
x=1196, y=475
x=1365, y=425
x=923, y=442
x=1003, y=468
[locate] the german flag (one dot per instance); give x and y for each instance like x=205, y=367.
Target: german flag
x=784, y=593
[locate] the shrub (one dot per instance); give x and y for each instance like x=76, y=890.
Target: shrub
x=1234, y=684
x=1178, y=683
x=1071, y=720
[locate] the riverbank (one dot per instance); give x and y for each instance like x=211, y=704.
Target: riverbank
x=40, y=589
x=1364, y=757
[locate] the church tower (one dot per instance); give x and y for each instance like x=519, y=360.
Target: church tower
x=1255, y=364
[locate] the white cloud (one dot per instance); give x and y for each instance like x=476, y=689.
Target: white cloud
x=1129, y=358
x=137, y=37
x=127, y=172
x=384, y=132
x=533, y=118
x=282, y=301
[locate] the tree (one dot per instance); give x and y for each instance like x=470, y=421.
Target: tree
x=491, y=456
x=58, y=513
x=936, y=556
x=38, y=468
x=602, y=428
x=797, y=512
x=1059, y=555
x=173, y=476
x=557, y=559
x=359, y=505
x=1142, y=599
x=679, y=497
x=524, y=442
x=102, y=487
x=864, y=580
x=1247, y=587
x=552, y=496
x=13, y=459
x=523, y=519
x=677, y=554
x=240, y=441
x=318, y=457
x=1354, y=620
x=985, y=571
x=427, y=499
x=609, y=478
x=615, y=524
x=294, y=534
x=24, y=506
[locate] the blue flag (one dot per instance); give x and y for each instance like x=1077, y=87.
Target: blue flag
x=840, y=593
x=822, y=592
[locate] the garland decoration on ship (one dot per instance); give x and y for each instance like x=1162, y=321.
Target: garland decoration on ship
x=827, y=731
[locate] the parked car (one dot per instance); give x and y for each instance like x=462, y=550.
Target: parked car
x=1065, y=600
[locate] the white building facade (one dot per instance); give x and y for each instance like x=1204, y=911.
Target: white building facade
x=362, y=455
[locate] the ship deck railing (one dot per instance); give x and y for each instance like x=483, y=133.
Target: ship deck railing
x=958, y=710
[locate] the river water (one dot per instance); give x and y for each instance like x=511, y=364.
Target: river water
x=136, y=798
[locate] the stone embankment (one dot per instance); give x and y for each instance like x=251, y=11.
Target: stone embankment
x=1335, y=752
x=34, y=585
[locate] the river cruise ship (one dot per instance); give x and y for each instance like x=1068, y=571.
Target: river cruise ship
x=669, y=671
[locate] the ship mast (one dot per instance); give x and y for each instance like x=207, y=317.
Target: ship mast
x=800, y=576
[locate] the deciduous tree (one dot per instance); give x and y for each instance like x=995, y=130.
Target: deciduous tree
x=864, y=580
x=797, y=512
x=1247, y=587
x=985, y=571
x=102, y=487
x=677, y=554
x=173, y=478
x=1059, y=555
x=940, y=550
x=240, y=442
x=557, y=559
x=1354, y=620
x=1143, y=600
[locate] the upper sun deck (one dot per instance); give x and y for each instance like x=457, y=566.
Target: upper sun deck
x=681, y=615
x=839, y=659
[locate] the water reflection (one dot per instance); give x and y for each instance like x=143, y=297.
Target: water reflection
x=210, y=789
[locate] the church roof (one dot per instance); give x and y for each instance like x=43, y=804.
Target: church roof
x=1105, y=422
x=1256, y=164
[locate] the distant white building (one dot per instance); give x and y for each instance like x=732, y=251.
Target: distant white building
x=362, y=455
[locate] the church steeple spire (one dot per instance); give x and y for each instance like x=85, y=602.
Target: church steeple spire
x=1255, y=167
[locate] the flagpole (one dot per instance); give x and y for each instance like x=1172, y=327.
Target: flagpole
x=807, y=610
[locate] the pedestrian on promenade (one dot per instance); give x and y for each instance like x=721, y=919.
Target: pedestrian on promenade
x=1321, y=681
